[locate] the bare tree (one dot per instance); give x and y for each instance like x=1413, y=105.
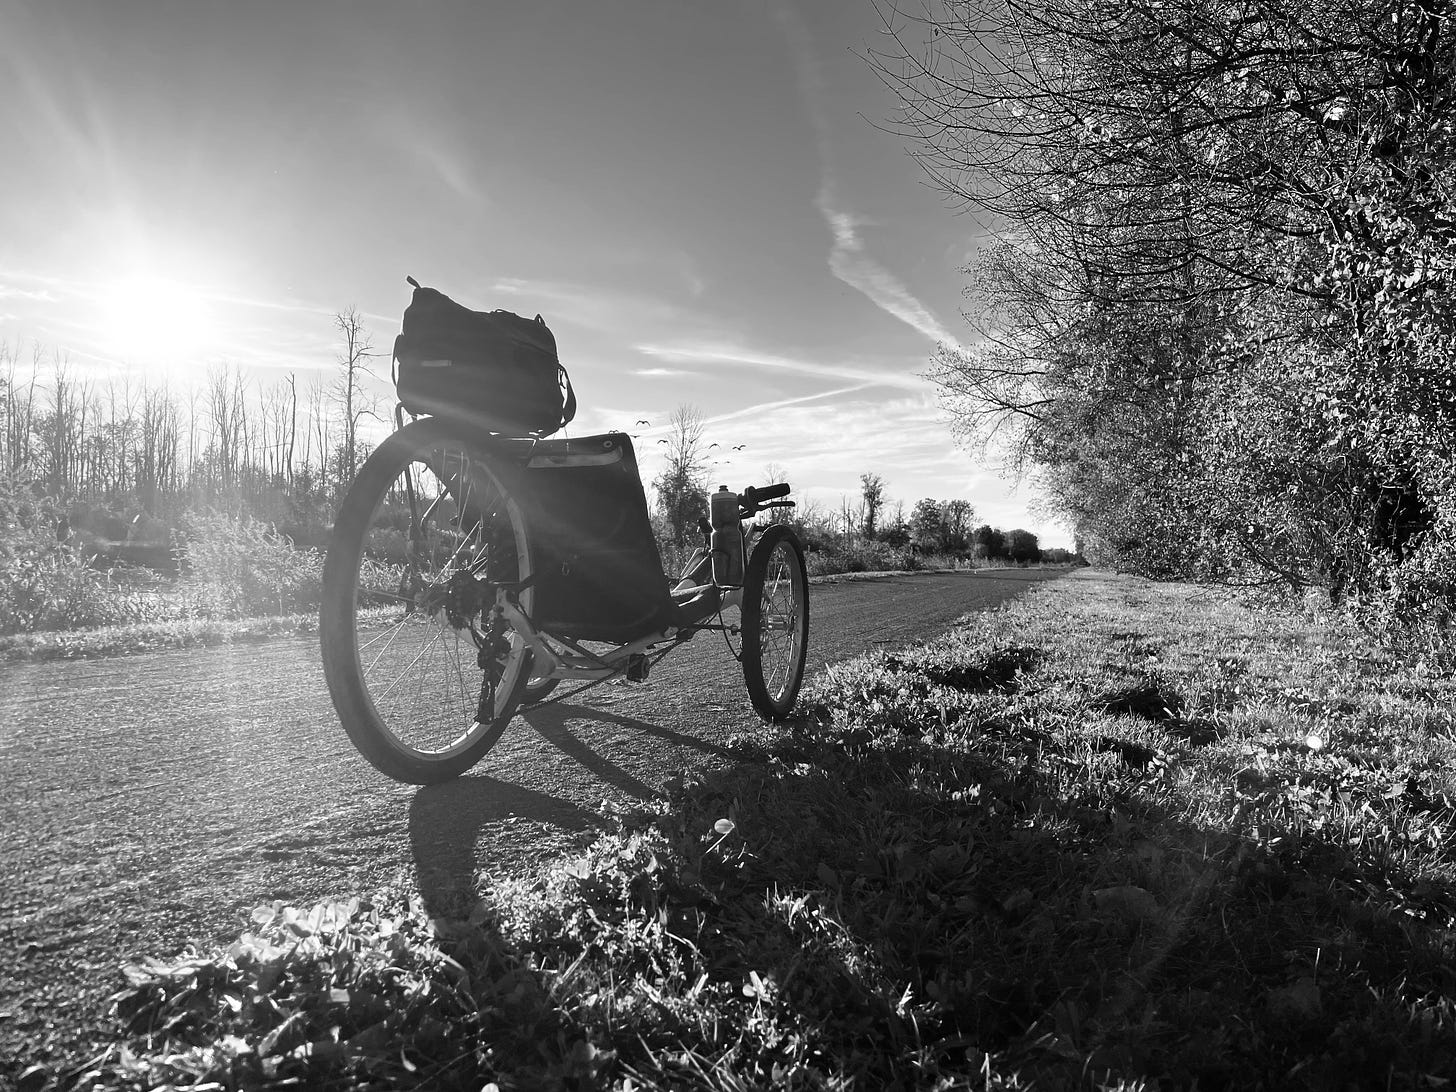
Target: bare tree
x=317, y=438
x=227, y=410
x=65, y=428
x=352, y=398
x=156, y=455
x=774, y=473
x=17, y=443
x=849, y=516
x=292, y=428
x=680, y=487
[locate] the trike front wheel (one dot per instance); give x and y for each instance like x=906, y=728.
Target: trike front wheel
x=422, y=678
x=775, y=622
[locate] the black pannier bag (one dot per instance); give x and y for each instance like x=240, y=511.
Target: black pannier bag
x=490, y=369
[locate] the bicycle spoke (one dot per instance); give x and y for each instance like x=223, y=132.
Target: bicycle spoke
x=393, y=633
x=385, y=692
x=460, y=679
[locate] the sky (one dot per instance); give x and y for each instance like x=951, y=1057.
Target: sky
x=702, y=199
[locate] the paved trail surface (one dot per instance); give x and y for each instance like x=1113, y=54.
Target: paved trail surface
x=147, y=802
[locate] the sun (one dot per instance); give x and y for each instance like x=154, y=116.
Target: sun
x=153, y=320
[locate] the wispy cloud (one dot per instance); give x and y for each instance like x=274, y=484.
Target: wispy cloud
x=854, y=267
x=660, y=373
x=43, y=288
x=782, y=403
x=848, y=259
x=41, y=295
x=25, y=285
x=606, y=417
x=435, y=147
x=450, y=170
x=712, y=353
x=589, y=306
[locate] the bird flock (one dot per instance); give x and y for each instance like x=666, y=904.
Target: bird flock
x=665, y=440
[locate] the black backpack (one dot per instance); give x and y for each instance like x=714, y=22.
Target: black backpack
x=492, y=370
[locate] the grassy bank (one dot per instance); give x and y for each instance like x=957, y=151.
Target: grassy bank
x=1116, y=835
x=134, y=637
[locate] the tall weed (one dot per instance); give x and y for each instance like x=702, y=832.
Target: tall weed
x=239, y=567
x=46, y=583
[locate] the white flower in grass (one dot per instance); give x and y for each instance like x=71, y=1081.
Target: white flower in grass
x=1314, y=742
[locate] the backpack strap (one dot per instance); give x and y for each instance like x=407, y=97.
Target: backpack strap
x=568, y=411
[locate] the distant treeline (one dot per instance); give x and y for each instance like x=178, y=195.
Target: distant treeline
x=126, y=456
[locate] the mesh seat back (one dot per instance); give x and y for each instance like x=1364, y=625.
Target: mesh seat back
x=599, y=573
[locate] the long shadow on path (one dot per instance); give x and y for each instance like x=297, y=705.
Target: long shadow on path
x=448, y=822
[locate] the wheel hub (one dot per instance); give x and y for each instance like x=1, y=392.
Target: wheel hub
x=460, y=599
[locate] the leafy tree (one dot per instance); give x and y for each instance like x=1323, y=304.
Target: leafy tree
x=1022, y=547
x=958, y=515
x=896, y=532
x=1221, y=315
x=927, y=526
x=872, y=496
x=989, y=540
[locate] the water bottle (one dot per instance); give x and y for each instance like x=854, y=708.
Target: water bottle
x=726, y=541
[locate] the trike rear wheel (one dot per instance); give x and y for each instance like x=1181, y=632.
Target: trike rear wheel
x=537, y=690
x=775, y=622
x=422, y=681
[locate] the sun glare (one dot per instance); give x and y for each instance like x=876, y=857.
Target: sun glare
x=154, y=321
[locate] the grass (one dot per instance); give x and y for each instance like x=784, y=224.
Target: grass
x=158, y=636
x=1117, y=835
x=863, y=557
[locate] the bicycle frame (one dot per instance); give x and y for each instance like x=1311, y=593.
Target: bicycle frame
x=698, y=601
x=575, y=662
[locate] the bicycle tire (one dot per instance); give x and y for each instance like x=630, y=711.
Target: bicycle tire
x=775, y=622
x=462, y=524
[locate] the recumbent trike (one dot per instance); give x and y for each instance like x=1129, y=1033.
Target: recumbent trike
x=471, y=572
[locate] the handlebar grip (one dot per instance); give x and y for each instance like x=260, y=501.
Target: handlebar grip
x=766, y=493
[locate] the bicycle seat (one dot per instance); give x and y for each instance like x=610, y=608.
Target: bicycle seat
x=598, y=571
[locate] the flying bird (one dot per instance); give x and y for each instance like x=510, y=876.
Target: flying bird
x=662, y=441
x=644, y=422
x=712, y=446
x=739, y=447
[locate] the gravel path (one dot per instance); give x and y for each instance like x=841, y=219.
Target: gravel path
x=148, y=802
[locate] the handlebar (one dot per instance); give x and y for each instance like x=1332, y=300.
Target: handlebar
x=755, y=498
x=753, y=495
